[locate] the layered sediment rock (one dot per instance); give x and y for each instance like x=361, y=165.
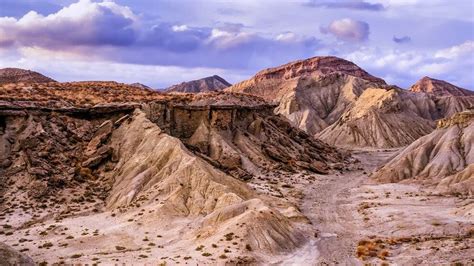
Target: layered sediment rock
x=340, y=103
x=443, y=158
x=311, y=93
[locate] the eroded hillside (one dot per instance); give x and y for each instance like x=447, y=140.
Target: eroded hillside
x=444, y=158
x=105, y=172
x=337, y=101
x=82, y=175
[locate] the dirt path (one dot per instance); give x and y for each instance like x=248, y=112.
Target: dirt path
x=327, y=204
x=349, y=207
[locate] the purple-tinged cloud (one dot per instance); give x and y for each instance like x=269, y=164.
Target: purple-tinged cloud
x=348, y=30
x=404, y=39
x=112, y=32
x=175, y=38
x=351, y=4
x=84, y=23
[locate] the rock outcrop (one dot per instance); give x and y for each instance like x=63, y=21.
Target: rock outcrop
x=443, y=158
x=439, y=88
x=327, y=97
x=311, y=93
x=383, y=118
x=182, y=158
x=178, y=183
x=207, y=84
x=16, y=75
x=242, y=139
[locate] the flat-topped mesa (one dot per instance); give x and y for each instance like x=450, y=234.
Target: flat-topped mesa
x=319, y=65
x=439, y=88
x=16, y=75
x=207, y=84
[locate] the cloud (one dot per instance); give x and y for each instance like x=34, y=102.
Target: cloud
x=114, y=32
x=457, y=51
x=81, y=23
x=351, y=4
x=174, y=38
x=80, y=68
x=406, y=67
x=403, y=39
x=348, y=30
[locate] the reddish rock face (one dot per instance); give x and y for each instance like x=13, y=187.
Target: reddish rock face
x=272, y=83
x=439, y=88
x=316, y=65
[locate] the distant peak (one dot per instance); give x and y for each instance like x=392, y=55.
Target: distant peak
x=439, y=87
x=207, y=84
x=17, y=75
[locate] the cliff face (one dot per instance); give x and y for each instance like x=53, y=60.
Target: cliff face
x=15, y=75
x=70, y=161
x=208, y=84
x=242, y=139
x=439, y=88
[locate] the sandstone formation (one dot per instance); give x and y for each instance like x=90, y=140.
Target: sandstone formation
x=177, y=183
x=439, y=88
x=444, y=158
x=207, y=84
x=312, y=93
x=389, y=117
x=329, y=98
x=82, y=150
x=383, y=118
x=106, y=172
x=15, y=75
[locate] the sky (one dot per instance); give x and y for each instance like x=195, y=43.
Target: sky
x=164, y=42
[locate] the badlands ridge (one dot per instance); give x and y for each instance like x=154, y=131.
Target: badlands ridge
x=312, y=162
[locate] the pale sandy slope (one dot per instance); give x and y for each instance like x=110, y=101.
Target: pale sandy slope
x=356, y=221
x=444, y=158
x=164, y=204
x=384, y=118
x=389, y=117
